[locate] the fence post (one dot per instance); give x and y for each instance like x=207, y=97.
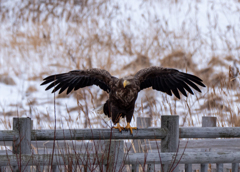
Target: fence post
x=55, y=168
x=170, y=142
x=234, y=167
x=188, y=167
x=208, y=121
x=142, y=122
x=114, y=152
x=219, y=167
x=38, y=167
x=23, y=143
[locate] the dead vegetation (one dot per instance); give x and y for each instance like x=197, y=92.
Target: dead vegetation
x=180, y=60
x=55, y=37
x=59, y=36
x=7, y=80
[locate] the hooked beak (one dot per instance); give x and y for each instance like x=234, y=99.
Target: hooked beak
x=125, y=83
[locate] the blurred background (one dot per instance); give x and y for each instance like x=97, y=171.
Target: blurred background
x=43, y=37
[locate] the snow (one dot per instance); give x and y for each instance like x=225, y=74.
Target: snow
x=209, y=27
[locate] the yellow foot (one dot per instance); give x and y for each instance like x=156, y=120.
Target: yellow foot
x=128, y=127
x=119, y=127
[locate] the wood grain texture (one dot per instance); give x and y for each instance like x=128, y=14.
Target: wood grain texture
x=209, y=132
x=8, y=135
x=192, y=144
x=208, y=121
x=115, y=155
x=171, y=141
x=193, y=158
x=98, y=134
x=22, y=145
x=45, y=159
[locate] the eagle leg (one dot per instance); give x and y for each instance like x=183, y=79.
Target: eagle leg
x=119, y=127
x=128, y=127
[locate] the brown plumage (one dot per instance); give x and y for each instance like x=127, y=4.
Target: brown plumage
x=123, y=92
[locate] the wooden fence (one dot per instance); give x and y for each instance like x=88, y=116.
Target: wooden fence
x=111, y=153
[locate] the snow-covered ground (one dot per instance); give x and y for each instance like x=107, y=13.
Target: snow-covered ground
x=110, y=35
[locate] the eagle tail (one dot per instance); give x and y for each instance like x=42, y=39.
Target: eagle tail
x=103, y=110
x=106, y=109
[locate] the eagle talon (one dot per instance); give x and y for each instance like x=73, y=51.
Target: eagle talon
x=119, y=127
x=128, y=127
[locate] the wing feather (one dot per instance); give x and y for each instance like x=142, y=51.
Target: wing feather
x=60, y=85
x=172, y=88
x=165, y=86
x=63, y=88
x=189, y=82
x=178, y=85
x=159, y=85
x=51, y=85
x=79, y=84
x=168, y=80
x=183, y=84
x=78, y=79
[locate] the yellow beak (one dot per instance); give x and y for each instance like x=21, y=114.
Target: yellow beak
x=125, y=83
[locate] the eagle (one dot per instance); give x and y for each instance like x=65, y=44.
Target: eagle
x=123, y=92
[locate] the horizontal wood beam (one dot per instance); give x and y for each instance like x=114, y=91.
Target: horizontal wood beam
x=143, y=133
x=153, y=158
x=46, y=159
x=209, y=143
x=98, y=134
x=8, y=135
x=209, y=132
x=187, y=157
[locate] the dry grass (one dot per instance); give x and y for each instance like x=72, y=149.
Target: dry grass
x=57, y=37
x=180, y=60
x=47, y=38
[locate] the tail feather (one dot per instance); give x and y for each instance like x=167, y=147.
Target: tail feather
x=106, y=109
x=103, y=111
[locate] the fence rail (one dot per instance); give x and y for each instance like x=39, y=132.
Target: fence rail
x=105, y=134
x=98, y=134
x=166, y=152
x=131, y=158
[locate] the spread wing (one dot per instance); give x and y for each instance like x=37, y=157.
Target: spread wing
x=78, y=79
x=168, y=80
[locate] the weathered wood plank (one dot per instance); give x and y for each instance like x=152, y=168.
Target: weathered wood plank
x=98, y=134
x=219, y=167
x=142, y=122
x=23, y=144
x=209, y=132
x=196, y=167
x=192, y=158
x=8, y=135
x=231, y=144
x=235, y=167
x=217, y=145
x=204, y=167
x=209, y=143
x=170, y=142
x=114, y=154
x=103, y=134
x=207, y=121
x=166, y=158
x=188, y=167
x=151, y=168
x=45, y=159
x=55, y=168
